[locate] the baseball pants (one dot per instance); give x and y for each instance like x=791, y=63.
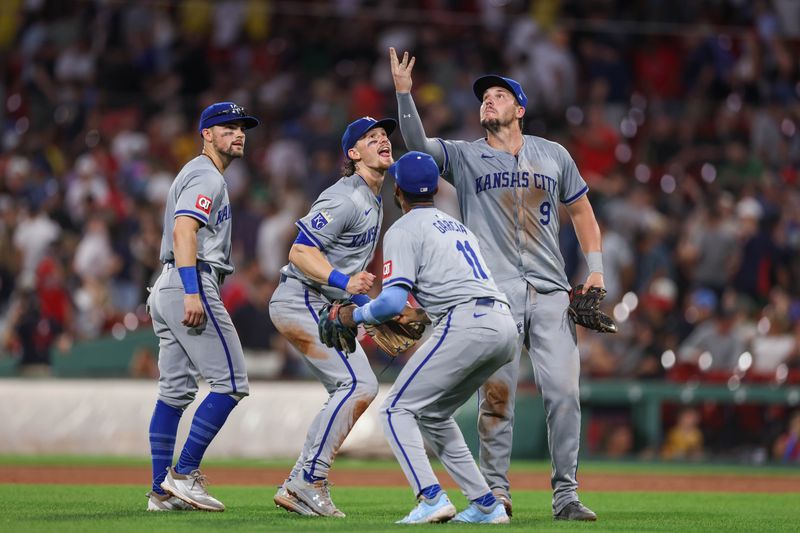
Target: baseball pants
x=212, y=350
x=549, y=335
x=348, y=378
x=467, y=346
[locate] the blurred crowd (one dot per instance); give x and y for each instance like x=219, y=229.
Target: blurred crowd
x=682, y=116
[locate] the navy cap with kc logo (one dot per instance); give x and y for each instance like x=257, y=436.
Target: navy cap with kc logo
x=358, y=128
x=224, y=112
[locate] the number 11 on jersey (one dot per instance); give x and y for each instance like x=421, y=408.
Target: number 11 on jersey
x=472, y=259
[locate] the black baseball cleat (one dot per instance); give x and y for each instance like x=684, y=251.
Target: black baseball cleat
x=576, y=511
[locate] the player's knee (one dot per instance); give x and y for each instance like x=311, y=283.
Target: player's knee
x=497, y=399
x=367, y=389
x=239, y=395
x=564, y=398
x=384, y=413
x=241, y=390
x=388, y=411
x=178, y=401
x=384, y=410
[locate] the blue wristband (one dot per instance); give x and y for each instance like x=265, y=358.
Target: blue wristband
x=338, y=279
x=189, y=279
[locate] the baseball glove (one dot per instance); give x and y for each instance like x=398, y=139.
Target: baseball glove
x=395, y=338
x=584, y=308
x=332, y=332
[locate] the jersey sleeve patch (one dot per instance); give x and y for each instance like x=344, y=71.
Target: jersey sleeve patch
x=203, y=204
x=321, y=220
x=387, y=269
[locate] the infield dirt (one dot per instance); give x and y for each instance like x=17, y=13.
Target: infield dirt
x=137, y=475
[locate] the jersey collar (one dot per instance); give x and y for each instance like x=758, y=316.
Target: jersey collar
x=495, y=151
x=378, y=197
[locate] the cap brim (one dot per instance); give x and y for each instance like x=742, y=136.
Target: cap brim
x=485, y=82
x=248, y=121
x=388, y=124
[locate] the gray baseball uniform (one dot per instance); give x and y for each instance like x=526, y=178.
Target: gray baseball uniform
x=438, y=259
x=511, y=203
x=212, y=349
x=344, y=223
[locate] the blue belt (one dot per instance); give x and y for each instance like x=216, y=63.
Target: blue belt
x=488, y=302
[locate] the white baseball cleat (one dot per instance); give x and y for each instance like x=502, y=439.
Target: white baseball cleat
x=438, y=509
x=475, y=514
x=191, y=488
x=283, y=498
x=315, y=495
x=166, y=502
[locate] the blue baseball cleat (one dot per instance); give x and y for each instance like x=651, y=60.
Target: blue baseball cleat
x=437, y=510
x=475, y=515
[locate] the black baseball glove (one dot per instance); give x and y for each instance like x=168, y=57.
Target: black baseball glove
x=332, y=332
x=584, y=308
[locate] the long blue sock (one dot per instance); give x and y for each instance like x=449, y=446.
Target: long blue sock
x=163, y=428
x=431, y=491
x=207, y=422
x=487, y=500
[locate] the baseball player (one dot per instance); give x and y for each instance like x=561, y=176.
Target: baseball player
x=335, y=242
x=196, y=334
x=439, y=261
x=509, y=187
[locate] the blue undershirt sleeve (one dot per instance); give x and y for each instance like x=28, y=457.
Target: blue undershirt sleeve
x=361, y=299
x=388, y=304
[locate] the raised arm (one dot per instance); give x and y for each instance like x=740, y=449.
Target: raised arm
x=410, y=122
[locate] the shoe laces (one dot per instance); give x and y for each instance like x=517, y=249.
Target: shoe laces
x=199, y=479
x=324, y=486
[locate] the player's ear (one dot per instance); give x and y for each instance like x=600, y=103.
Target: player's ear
x=207, y=135
x=520, y=111
x=354, y=154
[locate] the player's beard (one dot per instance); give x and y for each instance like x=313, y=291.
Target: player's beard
x=232, y=153
x=494, y=125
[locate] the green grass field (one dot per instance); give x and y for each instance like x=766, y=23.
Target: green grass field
x=92, y=508
x=87, y=509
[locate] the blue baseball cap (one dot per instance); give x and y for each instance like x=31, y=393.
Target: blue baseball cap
x=358, y=128
x=492, y=80
x=416, y=173
x=223, y=112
